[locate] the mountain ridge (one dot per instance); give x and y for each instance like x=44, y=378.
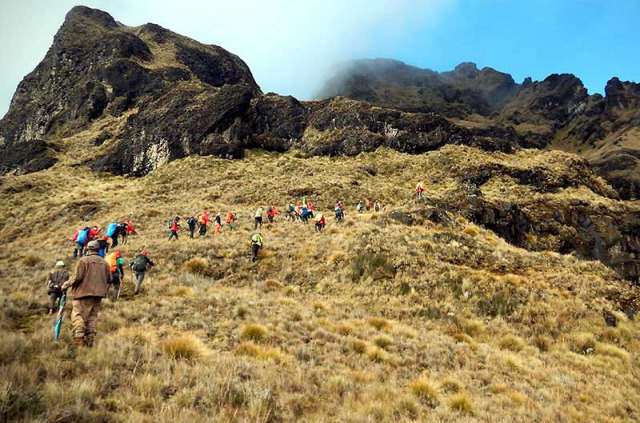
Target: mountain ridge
x=556, y=112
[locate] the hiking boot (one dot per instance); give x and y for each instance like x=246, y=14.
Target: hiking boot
x=88, y=340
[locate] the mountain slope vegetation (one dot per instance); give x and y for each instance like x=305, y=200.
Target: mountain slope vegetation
x=509, y=293
x=416, y=314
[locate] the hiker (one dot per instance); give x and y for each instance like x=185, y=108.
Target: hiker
x=376, y=207
x=359, y=207
x=256, y=245
x=338, y=213
x=203, y=219
x=367, y=205
x=55, y=280
x=126, y=229
x=89, y=286
x=94, y=233
x=258, y=218
x=419, y=189
x=271, y=213
x=80, y=239
x=298, y=210
x=140, y=265
x=320, y=222
x=291, y=213
x=231, y=220
x=116, y=267
x=217, y=224
x=192, y=221
x=104, y=246
x=113, y=231
x=174, y=225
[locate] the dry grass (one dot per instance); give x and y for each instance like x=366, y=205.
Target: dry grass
x=196, y=265
x=426, y=391
x=184, y=346
x=253, y=332
x=336, y=326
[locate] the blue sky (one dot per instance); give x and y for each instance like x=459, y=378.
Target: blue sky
x=291, y=45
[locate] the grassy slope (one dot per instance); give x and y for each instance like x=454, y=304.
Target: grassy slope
x=444, y=324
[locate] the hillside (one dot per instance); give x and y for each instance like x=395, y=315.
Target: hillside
x=509, y=293
x=415, y=315
x=554, y=113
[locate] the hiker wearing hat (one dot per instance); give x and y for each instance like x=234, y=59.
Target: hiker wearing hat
x=140, y=265
x=55, y=280
x=89, y=286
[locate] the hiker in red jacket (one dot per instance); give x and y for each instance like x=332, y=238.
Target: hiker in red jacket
x=203, y=219
x=175, y=227
x=271, y=212
x=367, y=205
x=94, y=233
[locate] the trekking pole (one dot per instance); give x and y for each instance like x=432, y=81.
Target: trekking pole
x=58, y=325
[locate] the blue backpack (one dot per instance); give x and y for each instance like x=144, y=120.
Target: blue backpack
x=82, y=237
x=111, y=229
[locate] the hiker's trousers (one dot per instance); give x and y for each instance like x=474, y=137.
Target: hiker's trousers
x=84, y=318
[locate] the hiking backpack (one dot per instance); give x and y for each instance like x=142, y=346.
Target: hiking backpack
x=111, y=229
x=140, y=264
x=170, y=223
x=82, y=237
x=112, y=261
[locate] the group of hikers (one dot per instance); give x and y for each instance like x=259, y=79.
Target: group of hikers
x=114, y=231
x=201, y=221
x=91, y=281
x=99, y=266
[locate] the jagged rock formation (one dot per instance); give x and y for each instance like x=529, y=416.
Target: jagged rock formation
x=556, y=112
x=390, y=83
x=180, y=97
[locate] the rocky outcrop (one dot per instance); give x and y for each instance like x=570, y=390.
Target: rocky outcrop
x=393, y=84
x=545, y=217
x=556, y=112
x=183, y=96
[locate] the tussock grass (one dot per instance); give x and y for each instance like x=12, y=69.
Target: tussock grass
x=426, y=391
x=273, y=284
x=380, y=324
x=512, y=342
x=493, y=323
x=184, y=346
x=461, y=403
x=253, y=332
x=31, y=260
x=197, y=265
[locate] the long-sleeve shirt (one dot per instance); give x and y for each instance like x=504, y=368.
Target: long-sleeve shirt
x=91, y=278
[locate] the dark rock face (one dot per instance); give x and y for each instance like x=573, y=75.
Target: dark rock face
x=561, y=224
x=393, y=84
x=556, y=111
x=28, y=157
x=98, y=67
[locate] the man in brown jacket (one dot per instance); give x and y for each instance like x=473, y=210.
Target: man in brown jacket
x=89, y=286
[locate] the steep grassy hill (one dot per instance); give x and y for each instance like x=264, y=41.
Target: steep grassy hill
x=416, y=315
